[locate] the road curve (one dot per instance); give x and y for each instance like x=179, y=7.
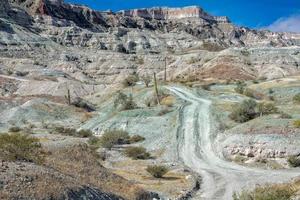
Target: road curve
x=195, y=148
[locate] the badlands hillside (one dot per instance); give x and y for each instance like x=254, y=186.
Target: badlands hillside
x=156, y=103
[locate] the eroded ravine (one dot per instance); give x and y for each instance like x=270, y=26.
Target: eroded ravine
x=220, y=178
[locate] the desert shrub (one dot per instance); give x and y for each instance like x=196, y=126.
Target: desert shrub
x=206, y=87
x=137, y=153
x=255, y=81
x=240, y=87
x=296, y=98
x=114, y=137
x=136, y=138
x=269, y=192
x=147, y=80
x=20, y=147
x=167, y=101
x=124, y=102
x=14, y=129
x=84, y=133
x=163, y=111
x=157, y=171
x=81, y=103
x=284, y=115
x=296, y=123
x=266, y=108
x=93, y=140
x=130, y=80
x=249, y=93
x=294, y=161
x=244, y=112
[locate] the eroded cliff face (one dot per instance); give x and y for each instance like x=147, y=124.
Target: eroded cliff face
x=173, y=14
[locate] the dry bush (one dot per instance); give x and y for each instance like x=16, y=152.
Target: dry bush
x=268, y=192
x=168, y=101
x=157, y=171
x=20, y=147
x=114, y=137
x=83, y=162
x=294, y=161
x=124, y=102
x=296, y=99
x=137, y=153
x=244, y=111
x=136, y=138
x=296, y=123
x=130, y=80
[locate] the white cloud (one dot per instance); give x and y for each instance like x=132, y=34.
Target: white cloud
x=286, y=24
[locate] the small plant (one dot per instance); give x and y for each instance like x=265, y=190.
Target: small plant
x=296, y=99
x=240, y=87
x=294, y=161
x=284, y=115
x=147, y=80
x=268, y=192
x=157, y=171
x=83, y=133
x=14, y=129
x=296, y=123
x=136, y=138
x=130, y=80
x=124, y=102
x=266, y=108
x=20, y=147
x=249, y=93
x=244, y=112
x=137, y=153
x=114, y=137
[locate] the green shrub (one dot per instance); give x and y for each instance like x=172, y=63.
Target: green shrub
x=240, y=87
x=83, y=133
x=296, y=98
x=249, y=93
x=266, y=108
x=114, y=137
x=294, y=161
x=124, y=102
x=136, y=138
x=269, y=192
x=157, y=171
x=296, y=123
x=244, y=112
x=284, y=115
x=20, y=147
x=137, y=153
x=130, y=80
x=14, y=129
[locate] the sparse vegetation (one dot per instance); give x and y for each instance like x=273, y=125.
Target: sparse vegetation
x=147, y=80
x=157, y=171
x=137, y=153
x=136, y=138
x=296, y=123
x=124, y=102
x=14, y=129
x=83, y=133
x=294, y=161
x=296, y=99
x=244, y=112
x=249, y=93
x=240, y=87
x=268, y=192
x=114, y=137
x=81, y=103
x=111, y=138
x=130, y=80
x=20, y=147
x=266, y=108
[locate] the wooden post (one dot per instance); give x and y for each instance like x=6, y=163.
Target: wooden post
x=155, y=88
x=68, y=96
x=165, y=75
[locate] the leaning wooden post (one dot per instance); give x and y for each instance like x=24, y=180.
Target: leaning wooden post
x=155, y=88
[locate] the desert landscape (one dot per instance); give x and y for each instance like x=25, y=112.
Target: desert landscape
x=143, y=104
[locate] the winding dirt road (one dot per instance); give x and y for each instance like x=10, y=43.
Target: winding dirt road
x=220, y=178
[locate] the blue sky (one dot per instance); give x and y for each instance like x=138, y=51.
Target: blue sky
x=275, y=14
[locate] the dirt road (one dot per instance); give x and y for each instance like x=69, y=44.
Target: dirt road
x=220, y=178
